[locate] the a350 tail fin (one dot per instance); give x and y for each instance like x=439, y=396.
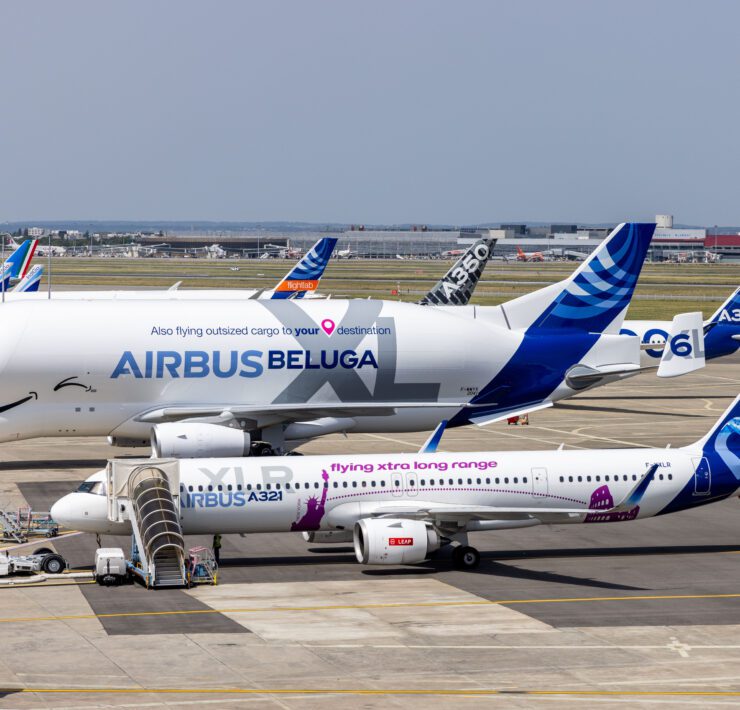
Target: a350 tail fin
x=306, y=274
x=456, y=287
x=729, y=311
x=20, y=259
x=595, y=298
x=721, y=445
x=31, y=281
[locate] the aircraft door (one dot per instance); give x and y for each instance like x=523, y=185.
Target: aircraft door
x=397, y=485
x=702, y=477
x=412, y=485
x=539, y=482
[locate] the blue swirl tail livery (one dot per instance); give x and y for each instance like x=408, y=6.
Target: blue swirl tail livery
x=595, y=298
x=306, y=274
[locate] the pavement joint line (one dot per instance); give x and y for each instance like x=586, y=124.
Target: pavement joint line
x=390, y=605
x=383, y=691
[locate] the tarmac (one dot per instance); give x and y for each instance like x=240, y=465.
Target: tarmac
x=639, y=614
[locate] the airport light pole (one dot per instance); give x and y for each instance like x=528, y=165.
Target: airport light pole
x=48, y=270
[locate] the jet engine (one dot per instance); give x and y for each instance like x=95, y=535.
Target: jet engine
x=192, y=441
x=325, y=537
x=391, y=541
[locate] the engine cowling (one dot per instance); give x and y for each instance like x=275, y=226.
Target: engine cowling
x=192, y=441
x=391, y=541
x=325, y=537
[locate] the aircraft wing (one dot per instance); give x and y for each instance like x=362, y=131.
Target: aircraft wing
x=291, y=411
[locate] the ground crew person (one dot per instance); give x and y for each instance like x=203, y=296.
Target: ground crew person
x=217, y=548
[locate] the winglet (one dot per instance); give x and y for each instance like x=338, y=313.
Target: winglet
x=684, y=349
x=431, y=444
x=634, y=497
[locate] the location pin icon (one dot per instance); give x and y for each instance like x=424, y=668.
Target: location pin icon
x=328, y=325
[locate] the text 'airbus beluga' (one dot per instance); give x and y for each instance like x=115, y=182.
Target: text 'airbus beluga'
x=401, y=508
x=212, y=378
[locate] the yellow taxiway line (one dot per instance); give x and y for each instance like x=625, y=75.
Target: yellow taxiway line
x=390, y=605
x=471, y=692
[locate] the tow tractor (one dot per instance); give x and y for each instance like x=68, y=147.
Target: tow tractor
x=41, y=561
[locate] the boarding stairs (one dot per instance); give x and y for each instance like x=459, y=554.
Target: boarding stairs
x=12, y=531
x=144, y=494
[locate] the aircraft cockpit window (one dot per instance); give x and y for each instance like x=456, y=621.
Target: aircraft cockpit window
x=95, y=487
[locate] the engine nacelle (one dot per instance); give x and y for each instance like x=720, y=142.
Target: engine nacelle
x=391, y=541
x=326, y=537
x=193, y=441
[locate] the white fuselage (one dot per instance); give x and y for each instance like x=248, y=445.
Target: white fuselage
x=76, y=368
x=250, y=495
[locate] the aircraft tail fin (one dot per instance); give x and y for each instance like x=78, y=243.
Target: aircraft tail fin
x=729, y=311
x=20, y=259
x=721, y=445
x=684, y=348
x=31, y=281
x=595, y=298
x=306, y=274
x=456, y=287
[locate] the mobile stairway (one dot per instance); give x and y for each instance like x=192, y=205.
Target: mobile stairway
x=148, y=496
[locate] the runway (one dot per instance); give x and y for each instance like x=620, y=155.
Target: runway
x=642, y=614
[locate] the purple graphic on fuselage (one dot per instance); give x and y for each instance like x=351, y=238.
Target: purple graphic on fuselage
x=602, y=499
x=311, y=520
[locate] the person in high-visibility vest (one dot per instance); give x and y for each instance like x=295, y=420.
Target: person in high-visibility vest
x=217, y=548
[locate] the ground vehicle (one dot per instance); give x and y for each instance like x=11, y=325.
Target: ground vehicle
x=41, y=561
x=110, y=566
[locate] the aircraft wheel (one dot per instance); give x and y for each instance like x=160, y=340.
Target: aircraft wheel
x=262, y=448
x=465, y=557
x=53, y=564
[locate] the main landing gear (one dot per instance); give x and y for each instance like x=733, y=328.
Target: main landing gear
x=465, y=557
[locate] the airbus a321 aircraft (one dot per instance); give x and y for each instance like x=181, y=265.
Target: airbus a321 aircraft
x=284, y=371
x=400, y=508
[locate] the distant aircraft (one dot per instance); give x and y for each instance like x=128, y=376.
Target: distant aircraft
x=721, y=332
x=529, y=256
x=345, y=253
x=31, y=281
x=399, y=509
x=456, y=287
x=17, y=264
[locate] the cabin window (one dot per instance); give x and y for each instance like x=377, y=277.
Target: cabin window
x=488, y=481
x=516, y=480
x=570, y=479
x=660, y=476
x=326, y=484
x=354, y=484
x=477, y=480
x=364, y=484
x=580, y=479
x=423, y=482
x=396, y=483
x=238, y=486
x=210, y=488
x=259, y=486
x=470, y=481
x=190, y=488
x=382, y=484
x=229, y=487
x=412, y=483
x=316, y=484
x=336, y=485
x=506, y=480
x=634, y=476
x=372, y=484
x=459, y=481
x=498, y=481
x=220, y=487
x=670, y=476
x=598, y=479
x=588, y=478
x=200, y=489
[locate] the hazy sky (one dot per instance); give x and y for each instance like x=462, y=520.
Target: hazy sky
x=456, y=112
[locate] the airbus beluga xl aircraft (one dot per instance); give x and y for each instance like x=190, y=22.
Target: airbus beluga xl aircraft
x=208, y=378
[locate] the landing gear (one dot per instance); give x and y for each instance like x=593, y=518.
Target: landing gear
x=261, y=448
x=465, y=557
